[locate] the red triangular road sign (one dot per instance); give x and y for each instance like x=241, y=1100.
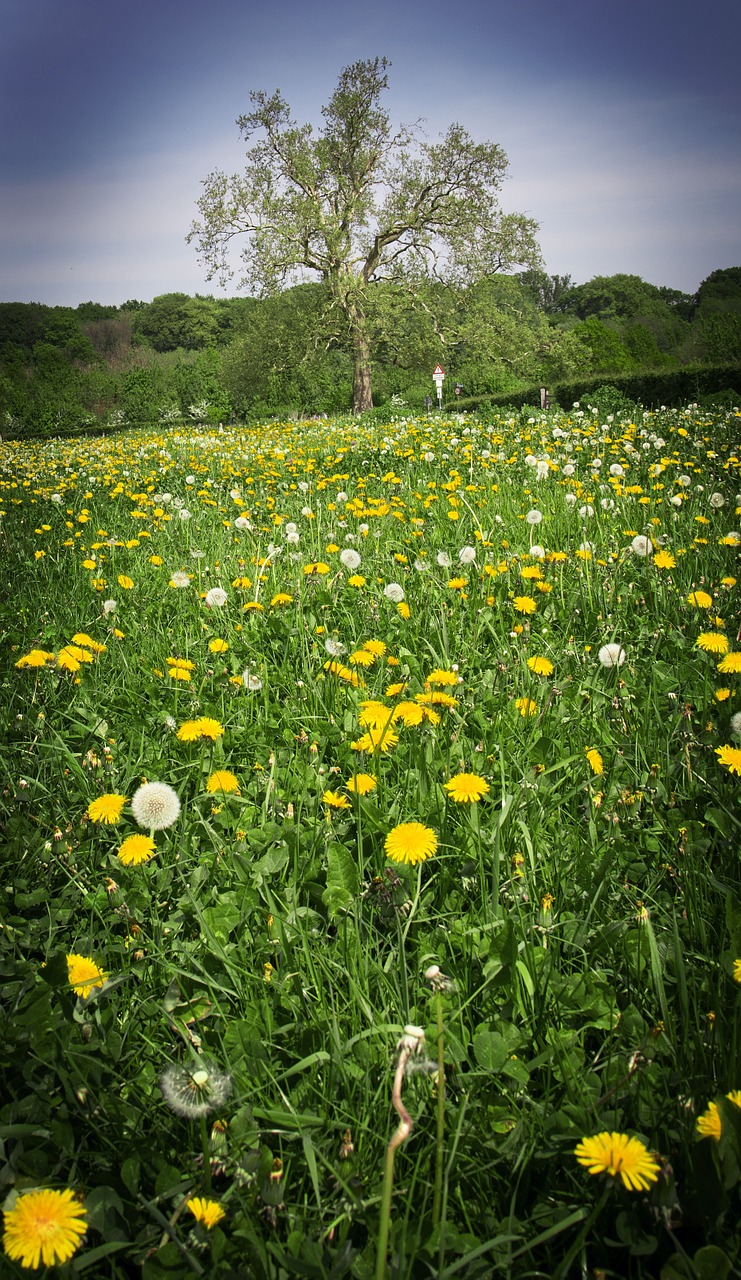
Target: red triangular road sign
x=438, y=370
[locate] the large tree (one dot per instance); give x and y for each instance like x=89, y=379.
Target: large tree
x=358, y=202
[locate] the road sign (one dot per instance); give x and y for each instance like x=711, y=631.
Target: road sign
x=438, y=372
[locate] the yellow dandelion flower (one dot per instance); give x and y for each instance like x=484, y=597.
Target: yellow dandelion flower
x=730, y=757
x=524, y=604
x=88, y=643
x=361, y=784
x=253, y=606
x=178, y=673
x=619, y=1155
x=374, y=714
x=544, y=587
x=737, y=970
x=203, y=728
x=436, y=698
x=282, y=598
x=242, y=583
x=206, y=1212
x=731, y=664
x=44, y=1227
x=73, y=653
x=218, y=646
x=136, y=849
x=722, y=695
x=665, y=560
x=526, y=706
x=84, y=975
x=356, y=580
x=410, y=713
x=125, y=582
x=375, y=740
x=410, y=842
x=466, y=788
x=335, y=800
x=540, y=666
x=181, y=662
x=362, y=658
x=36, y=658
x=595, y=760
x=317, y=569
x=222, y=781
x=403, y=610
x=395, y=689
x=531, y=571
x=713, y=642
x=457, y=584
x=700, y=599
x=709, y=1124
x=106, y=808
x=439, y=676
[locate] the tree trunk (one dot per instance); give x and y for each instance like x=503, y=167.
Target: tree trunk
x=362, y=396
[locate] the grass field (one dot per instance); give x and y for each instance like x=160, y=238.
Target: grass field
x=322, y=736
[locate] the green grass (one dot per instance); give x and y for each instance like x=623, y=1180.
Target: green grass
x=588, y=922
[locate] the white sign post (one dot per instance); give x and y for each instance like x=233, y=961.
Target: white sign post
x=439, y=376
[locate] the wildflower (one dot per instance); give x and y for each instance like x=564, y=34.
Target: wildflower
x=362, y=784
x=457, y=584
x=466, y=555
x=36, y=658
x=350, y=558
x=125, y=582
x=394, y=592
x=709, y=1123
x=611, y=655
x=335, y=648
x=376, y=647
x=466, y=788
x=665, y=560
x=192, y=1093
x=712, y=642
x=526, y=706
x=641, y=546
x=155, y=806
x=221, y=780
x=736, y=724
x=595, y=760
x=531, y=571
x=533, y=517
x=731, y=664
x=203, y=728
x=731, y=758
x=207, y=1212
x=218, y=646
x=439, y=676
x=282, y=598
x=88, y=643
x=317, y=569
x=375, y=740
x=700, y=599
x=180, y=579
x=410, y=842
x=362, y=658
x=335, y=800
x=251, y=681
x=540, y=666
x=106, y=808
x=737, y=971
x=44, y=1227
x=136, y=849
x=436, y=698
x=618, y=1154
x=524, y=604
x=410, y=713
x=84, y=975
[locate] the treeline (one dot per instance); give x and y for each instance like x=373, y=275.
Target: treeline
x=201, y=358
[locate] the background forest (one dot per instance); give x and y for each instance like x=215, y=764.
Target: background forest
x=209, y=359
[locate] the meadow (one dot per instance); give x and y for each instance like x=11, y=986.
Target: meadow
x=371, y=900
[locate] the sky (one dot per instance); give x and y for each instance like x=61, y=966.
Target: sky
x=621, y=121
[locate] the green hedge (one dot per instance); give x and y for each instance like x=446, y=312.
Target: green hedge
x=652, y=389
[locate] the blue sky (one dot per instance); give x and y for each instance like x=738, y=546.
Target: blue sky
x=621, y=121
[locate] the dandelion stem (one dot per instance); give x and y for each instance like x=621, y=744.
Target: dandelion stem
x=206, y=1148
x=565, y=1264
x=403, y=1131
x=440, y=1135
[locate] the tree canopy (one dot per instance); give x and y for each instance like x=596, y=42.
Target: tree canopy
x=358, y=203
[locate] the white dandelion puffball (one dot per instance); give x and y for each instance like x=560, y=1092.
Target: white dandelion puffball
x=394, y=592
x=251, y=681
x=467, y=555
x=616, y=469
x=542, y=471
x=586, y=511
x=350, y=558
x=184, y=514
x=216, y=598
x=155, y=806
x=335, y=648
x=641, y=545
x=194, y=1091
x=443, y=559
x=569, y=469
x=180, y=578
x=109, y=606
x=736, y=724
x=242, y=522
x=611, y=655
x=716, y=501
x=537, y=551
x=534, y=516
